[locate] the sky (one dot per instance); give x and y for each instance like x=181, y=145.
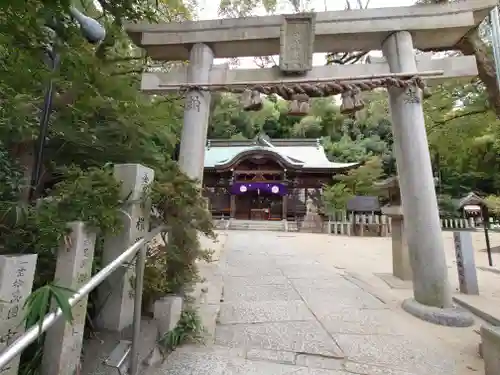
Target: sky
x=208, y=10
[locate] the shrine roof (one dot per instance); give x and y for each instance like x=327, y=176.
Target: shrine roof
x=471, y=199
x=298, y=153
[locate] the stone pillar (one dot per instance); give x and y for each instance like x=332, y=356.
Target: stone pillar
x=401, y=267
x=196, y=114
x=431, y=287
x=63, y=342
x=116, y=294
x=16, y=281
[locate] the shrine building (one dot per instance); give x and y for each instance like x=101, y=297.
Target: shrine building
x=266, y=179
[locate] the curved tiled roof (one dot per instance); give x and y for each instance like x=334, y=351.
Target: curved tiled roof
x=300, y=154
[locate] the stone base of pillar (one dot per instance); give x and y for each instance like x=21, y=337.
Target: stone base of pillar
x=451, y=317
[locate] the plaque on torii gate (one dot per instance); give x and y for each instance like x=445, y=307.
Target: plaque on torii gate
x=296, y=54
x=297, y=43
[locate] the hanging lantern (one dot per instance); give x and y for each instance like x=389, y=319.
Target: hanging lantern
x=251, y=100
x=347, y=105
x=358, y=102
x=299, y=105
x=426, y=92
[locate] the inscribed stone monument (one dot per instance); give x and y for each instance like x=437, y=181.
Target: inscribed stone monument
x=466, y=267
x=63, y=342
x=16, y=281
x=116, y=293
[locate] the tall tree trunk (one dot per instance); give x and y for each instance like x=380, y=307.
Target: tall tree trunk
x=24, y=153
x=472, y=44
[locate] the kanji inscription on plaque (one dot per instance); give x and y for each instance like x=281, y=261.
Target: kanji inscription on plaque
x=296, y=43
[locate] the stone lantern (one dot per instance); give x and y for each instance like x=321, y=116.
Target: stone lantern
x=401, y=267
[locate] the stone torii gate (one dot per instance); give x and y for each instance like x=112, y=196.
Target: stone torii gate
x=397, y=31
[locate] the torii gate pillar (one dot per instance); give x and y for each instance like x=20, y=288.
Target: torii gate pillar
x=432, y=295
x=196, y=113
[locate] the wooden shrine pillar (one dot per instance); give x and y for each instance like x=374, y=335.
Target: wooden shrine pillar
x=232, y=207
x=285, y=207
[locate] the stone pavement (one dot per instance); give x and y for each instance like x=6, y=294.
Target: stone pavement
x=289, y=309
x=370, y=259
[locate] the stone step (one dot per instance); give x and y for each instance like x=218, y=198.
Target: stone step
x=236, y=225
x=264, y=225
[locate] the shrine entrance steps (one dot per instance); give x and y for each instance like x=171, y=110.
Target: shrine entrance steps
x=263, y=225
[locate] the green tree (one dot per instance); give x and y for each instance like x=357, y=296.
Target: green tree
x=335, y=197
x=99, y=118
x=359, y=181
x=455, y=115
x=478, y=43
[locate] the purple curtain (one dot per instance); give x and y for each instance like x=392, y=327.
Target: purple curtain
x=264, y=187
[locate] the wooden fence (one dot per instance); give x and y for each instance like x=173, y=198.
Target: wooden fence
x=344, y=224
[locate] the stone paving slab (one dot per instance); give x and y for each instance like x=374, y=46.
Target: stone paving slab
x=341, y=287
x=319, y=362
x=196, y=363
x=397, y=352
x=255, y=280
x=304, y=337
x=324, y=301
x=367, y=369
x=334, y=283
x=267, y=311
x=249, y=260
x=258, y=269
x=277, y=356
x=314, y=371
x=219, y=360
x=395, y=282
x=291, y=260
x=364, y=322
x=308, y=271
x=254, y=293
